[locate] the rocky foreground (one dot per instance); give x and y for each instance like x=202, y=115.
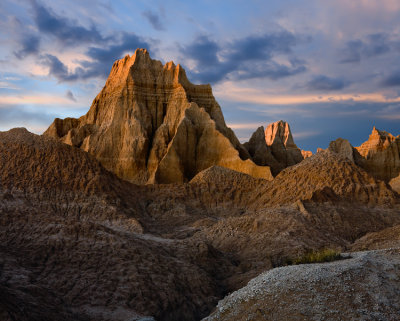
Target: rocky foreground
x=83, y=238
x=361, y=286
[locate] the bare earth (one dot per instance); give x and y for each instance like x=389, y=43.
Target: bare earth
x=364, y=286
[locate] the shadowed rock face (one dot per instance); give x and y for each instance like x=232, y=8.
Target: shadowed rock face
x=150, y=124
x=275, y=147
x=166, y=251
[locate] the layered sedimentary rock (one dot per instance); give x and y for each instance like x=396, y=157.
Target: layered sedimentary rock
x=150, y=124
x=275, y=147
x=379, y=155
x=382, y=155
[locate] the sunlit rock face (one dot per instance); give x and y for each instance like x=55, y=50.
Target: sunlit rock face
x=379, y=155
x=149, y=124
x=382, y=154
x=275, y=147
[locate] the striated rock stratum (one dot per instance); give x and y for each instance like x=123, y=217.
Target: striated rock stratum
x=149, y=124
x=275, y=147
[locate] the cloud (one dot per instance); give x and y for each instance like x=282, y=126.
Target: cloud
x=101, y=61
x=230, y=92
x=70, y=96
x=65, y=30
x=243, y=58
x=245, y=125
x=154, y=19
x=51, y=100
x=373, y=45
x=12, y=116
x=29, y=45
x=8, y=85
x=56, y=68
x=392, y=80
x=305, y=134
x=102, y=58
x=324, y=83
x=101, y=51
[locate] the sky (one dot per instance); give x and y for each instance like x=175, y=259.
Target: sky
x=329, y=68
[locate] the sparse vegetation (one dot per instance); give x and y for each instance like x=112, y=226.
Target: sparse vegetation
x=320, y=256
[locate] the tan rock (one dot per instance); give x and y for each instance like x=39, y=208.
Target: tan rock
x=306, y=153
x=382, y=155
x=342, y=147
x=274, y=147
x=395, y=184
x=150, y=124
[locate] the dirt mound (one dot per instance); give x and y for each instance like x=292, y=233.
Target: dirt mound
x=325, y=169
x=386, y=238
x=103, y=268
x=311, y=292
x=32, y=162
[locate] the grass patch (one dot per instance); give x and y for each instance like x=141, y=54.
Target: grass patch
x=321, y=256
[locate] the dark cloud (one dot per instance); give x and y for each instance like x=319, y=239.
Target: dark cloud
x=324, y=83
x=102, y=51
x=392, y=80
x=373, y=45
x=63, y=29
x=154, y=19
x=56, y=68
x=100, y=63
x=203, y=50
x=29, y=45
x=104, y=57
x=262, y=47
x=245, y=58
x=70, y=95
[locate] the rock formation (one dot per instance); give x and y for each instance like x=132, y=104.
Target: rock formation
x=275, y=147
x=150, y=124
x=167, y=251
x=306, y=153
x=324, y=170
x=395, y=184
x=379, y=155
x=382, y=155
x=342, y=147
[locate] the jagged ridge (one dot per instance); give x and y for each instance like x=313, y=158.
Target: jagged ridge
x=150, y=124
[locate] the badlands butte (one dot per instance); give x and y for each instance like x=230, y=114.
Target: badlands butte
x=149, y=208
